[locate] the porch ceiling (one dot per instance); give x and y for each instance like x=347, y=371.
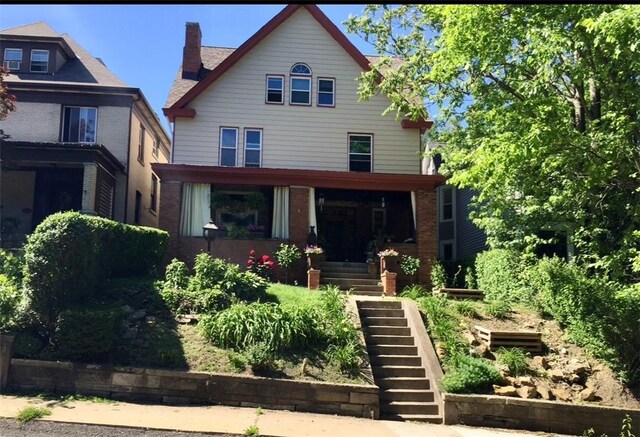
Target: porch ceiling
x=288, y=177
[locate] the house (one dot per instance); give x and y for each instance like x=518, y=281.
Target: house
x=80, y=138
x=270, y=136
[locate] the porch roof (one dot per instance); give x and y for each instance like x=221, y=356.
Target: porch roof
x=288, y=177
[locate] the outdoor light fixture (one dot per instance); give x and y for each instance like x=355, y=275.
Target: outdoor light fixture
x=321, y=201
x=209, y=233
x=383, y=202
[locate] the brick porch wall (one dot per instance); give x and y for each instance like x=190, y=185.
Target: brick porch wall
x=426, y=215
x=170, y=205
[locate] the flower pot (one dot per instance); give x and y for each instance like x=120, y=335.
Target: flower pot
x=389, y=263
x=314, y=260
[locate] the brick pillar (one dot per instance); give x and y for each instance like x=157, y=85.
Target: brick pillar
x=313, y=279
x=170, y=209
x=426, y=237
x=298, y=225
x=389, y=283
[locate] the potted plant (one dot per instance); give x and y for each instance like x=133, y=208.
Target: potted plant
x=388, y=259
x=410, y=265
x=314, y=256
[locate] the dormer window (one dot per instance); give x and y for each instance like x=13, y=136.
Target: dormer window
x=300, y=85
x=39, y=61
x=13, y=58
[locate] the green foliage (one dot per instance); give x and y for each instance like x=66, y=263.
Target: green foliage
x=209, y=271
x=86, y=335
x=470, y=375
x=539, y=119
x=626, y=431
x=409, y=264
x=500, y=309
x=438, y=275
x=470, y=278
x=288, y=254
x=261, y=357
x=516, y=360
x=497, y=274
x=10, y=303
x=238, y=361
x=414, y=292
x=30, y=413
x=176, y=274
x=467, y=309
x=12, y=266
x=252, y=431
x=347, y=357
x=442, y=323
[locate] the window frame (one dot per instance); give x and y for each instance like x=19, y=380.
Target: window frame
x=300, y=76
x=266, y=93
x=5, y=62
x=333, y=92
x=221, y=147
x=354, y=134
x=153, y=202
x=64, y=122
x=375, y=211
x=141, y=143
x=34, y=51
x=246, y=131
x=442, y=204
x=155, y=147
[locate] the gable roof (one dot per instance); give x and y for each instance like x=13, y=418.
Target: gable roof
x=236, y=55
x=39, y=28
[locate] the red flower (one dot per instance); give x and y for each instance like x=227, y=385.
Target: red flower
x=252, y=252
x=250, y=262
x=265, y=258
x=269, y=264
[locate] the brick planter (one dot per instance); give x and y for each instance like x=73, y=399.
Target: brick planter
x=6, y=352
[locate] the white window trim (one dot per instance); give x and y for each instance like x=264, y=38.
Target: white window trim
x=266, y=96
x=64, y=120
x=7, y=62
x=353, y=134
x=333, y=92
x=33, y=51
x=246, y=131
x=222, y=128
x=141, y=143
x=291, y=90
x=441, y=204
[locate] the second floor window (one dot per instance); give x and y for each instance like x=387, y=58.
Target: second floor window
x=39, y=61
x=141, y=144
x=79, y=125
x=447, y=204
x=228, y=146
x=252, y=147
x=13, y=59
x=360, y=152
x=326, y=92
x=275, y=89
x=300, y=85
x=154, y=193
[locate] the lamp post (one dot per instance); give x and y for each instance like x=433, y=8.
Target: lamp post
x=209, y=233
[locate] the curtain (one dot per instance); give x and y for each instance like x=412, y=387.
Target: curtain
x=280, y=226
x=312, y=209
x=196, y=209
x=413, y=208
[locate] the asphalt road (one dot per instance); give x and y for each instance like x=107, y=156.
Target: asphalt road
x=41, y=428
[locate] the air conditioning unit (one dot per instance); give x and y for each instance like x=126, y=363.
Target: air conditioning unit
x=12, y=65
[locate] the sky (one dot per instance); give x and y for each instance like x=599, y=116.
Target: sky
x=142, y=44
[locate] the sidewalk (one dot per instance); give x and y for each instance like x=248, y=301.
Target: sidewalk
x=236, y=420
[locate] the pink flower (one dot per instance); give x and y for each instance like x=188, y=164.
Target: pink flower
x=265, y=258
x=252, y=252
x=250, y=262
x=269, y=264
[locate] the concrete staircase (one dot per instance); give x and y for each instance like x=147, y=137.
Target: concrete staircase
x=406, y=391
x=350, y=276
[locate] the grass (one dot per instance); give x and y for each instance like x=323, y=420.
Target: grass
x=516, y=360
x=30, y=413
x=293, y=296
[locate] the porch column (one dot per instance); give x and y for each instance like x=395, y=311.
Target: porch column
x=169, y=212
x=426, y=237
x=299, y=225
x=89, y=183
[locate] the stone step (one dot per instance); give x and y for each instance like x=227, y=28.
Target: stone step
x=343, y=264
x=395, y=304
x=384, y=349
x=345, y=275
x=407, y=395
x=403, y=383
x=384, y=321
x=430, y=418
x=365, y=292
x=390, y=340
x=388, y=330
x=398, y=407
x=381, y=312
x=405, y=371
x=395, y=360
x=351, y=282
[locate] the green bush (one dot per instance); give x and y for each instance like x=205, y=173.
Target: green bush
x=261, y=357
x=86, y=334
x=497, y=273
x=414, y=292
x=467, y=309
x=470, y=375
x=176, y=274
x=12, y=266
x=500, y=309
x=409, y=264
x=347, y=357
x=10, y=303
x=443, y=323
x=287, y=255
x=516, y=360
x=438, y=275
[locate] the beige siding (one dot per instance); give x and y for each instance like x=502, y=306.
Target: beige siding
x=113, y=127
x=33, y=122
x=300, y=137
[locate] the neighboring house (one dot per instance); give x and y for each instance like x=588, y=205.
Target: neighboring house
x=271, y=137
x=80, y=138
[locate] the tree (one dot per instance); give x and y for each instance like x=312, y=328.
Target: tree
x=6, y=99
x=538, y=112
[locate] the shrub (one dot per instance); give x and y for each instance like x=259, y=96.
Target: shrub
x=516, y=360
x=442, y=323
x=470, y=375
x=467, y=309
x=209, y=271
x=288, y=255
x=414, y=292
x=500, y=309
x=86, y=334
x=438, y=275
x=10, y=302
x=12, y=266
x=347, y=357
x=261, y=357
x=176, y=274
x=262, y=266
x=470, y=278
x=497, y=274
x=409, y=264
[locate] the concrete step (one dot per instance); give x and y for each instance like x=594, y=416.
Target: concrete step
x=346, y=275
x=384, y=321
x=430, y=418
x=381, y=312
x=398, y=407
x=337, y=265
x=407, y=395
x=351, y=282
x=388, y=330
x=366, y=292
x=403, y=383
x=390, y=340
x=384, y=349
x=405, y=371
x=382, y=303
x=395, y=360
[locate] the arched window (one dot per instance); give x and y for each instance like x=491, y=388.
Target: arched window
x=300, y=85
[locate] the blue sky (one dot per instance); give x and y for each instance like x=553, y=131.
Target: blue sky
x=142, y=44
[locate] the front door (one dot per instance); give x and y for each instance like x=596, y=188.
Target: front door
x=337, y=228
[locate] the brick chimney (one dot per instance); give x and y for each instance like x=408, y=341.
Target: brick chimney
x=191, y=58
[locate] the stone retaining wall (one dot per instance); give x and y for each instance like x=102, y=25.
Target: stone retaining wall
x=535, y=415
x=176, y=387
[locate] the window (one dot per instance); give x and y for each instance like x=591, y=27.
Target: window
x=138, y=208
x=275, y=89
x=39, y=61
x=154, y=192
x=446, y=251
x=141, y=138
x=252, y=147
x=326, y=92
x=300, y=85
x=79, y=125
x=156, y=146
x=379, y=220
x=228, y=146
x=360, y=152
x=446, y=210
x=13, y=58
